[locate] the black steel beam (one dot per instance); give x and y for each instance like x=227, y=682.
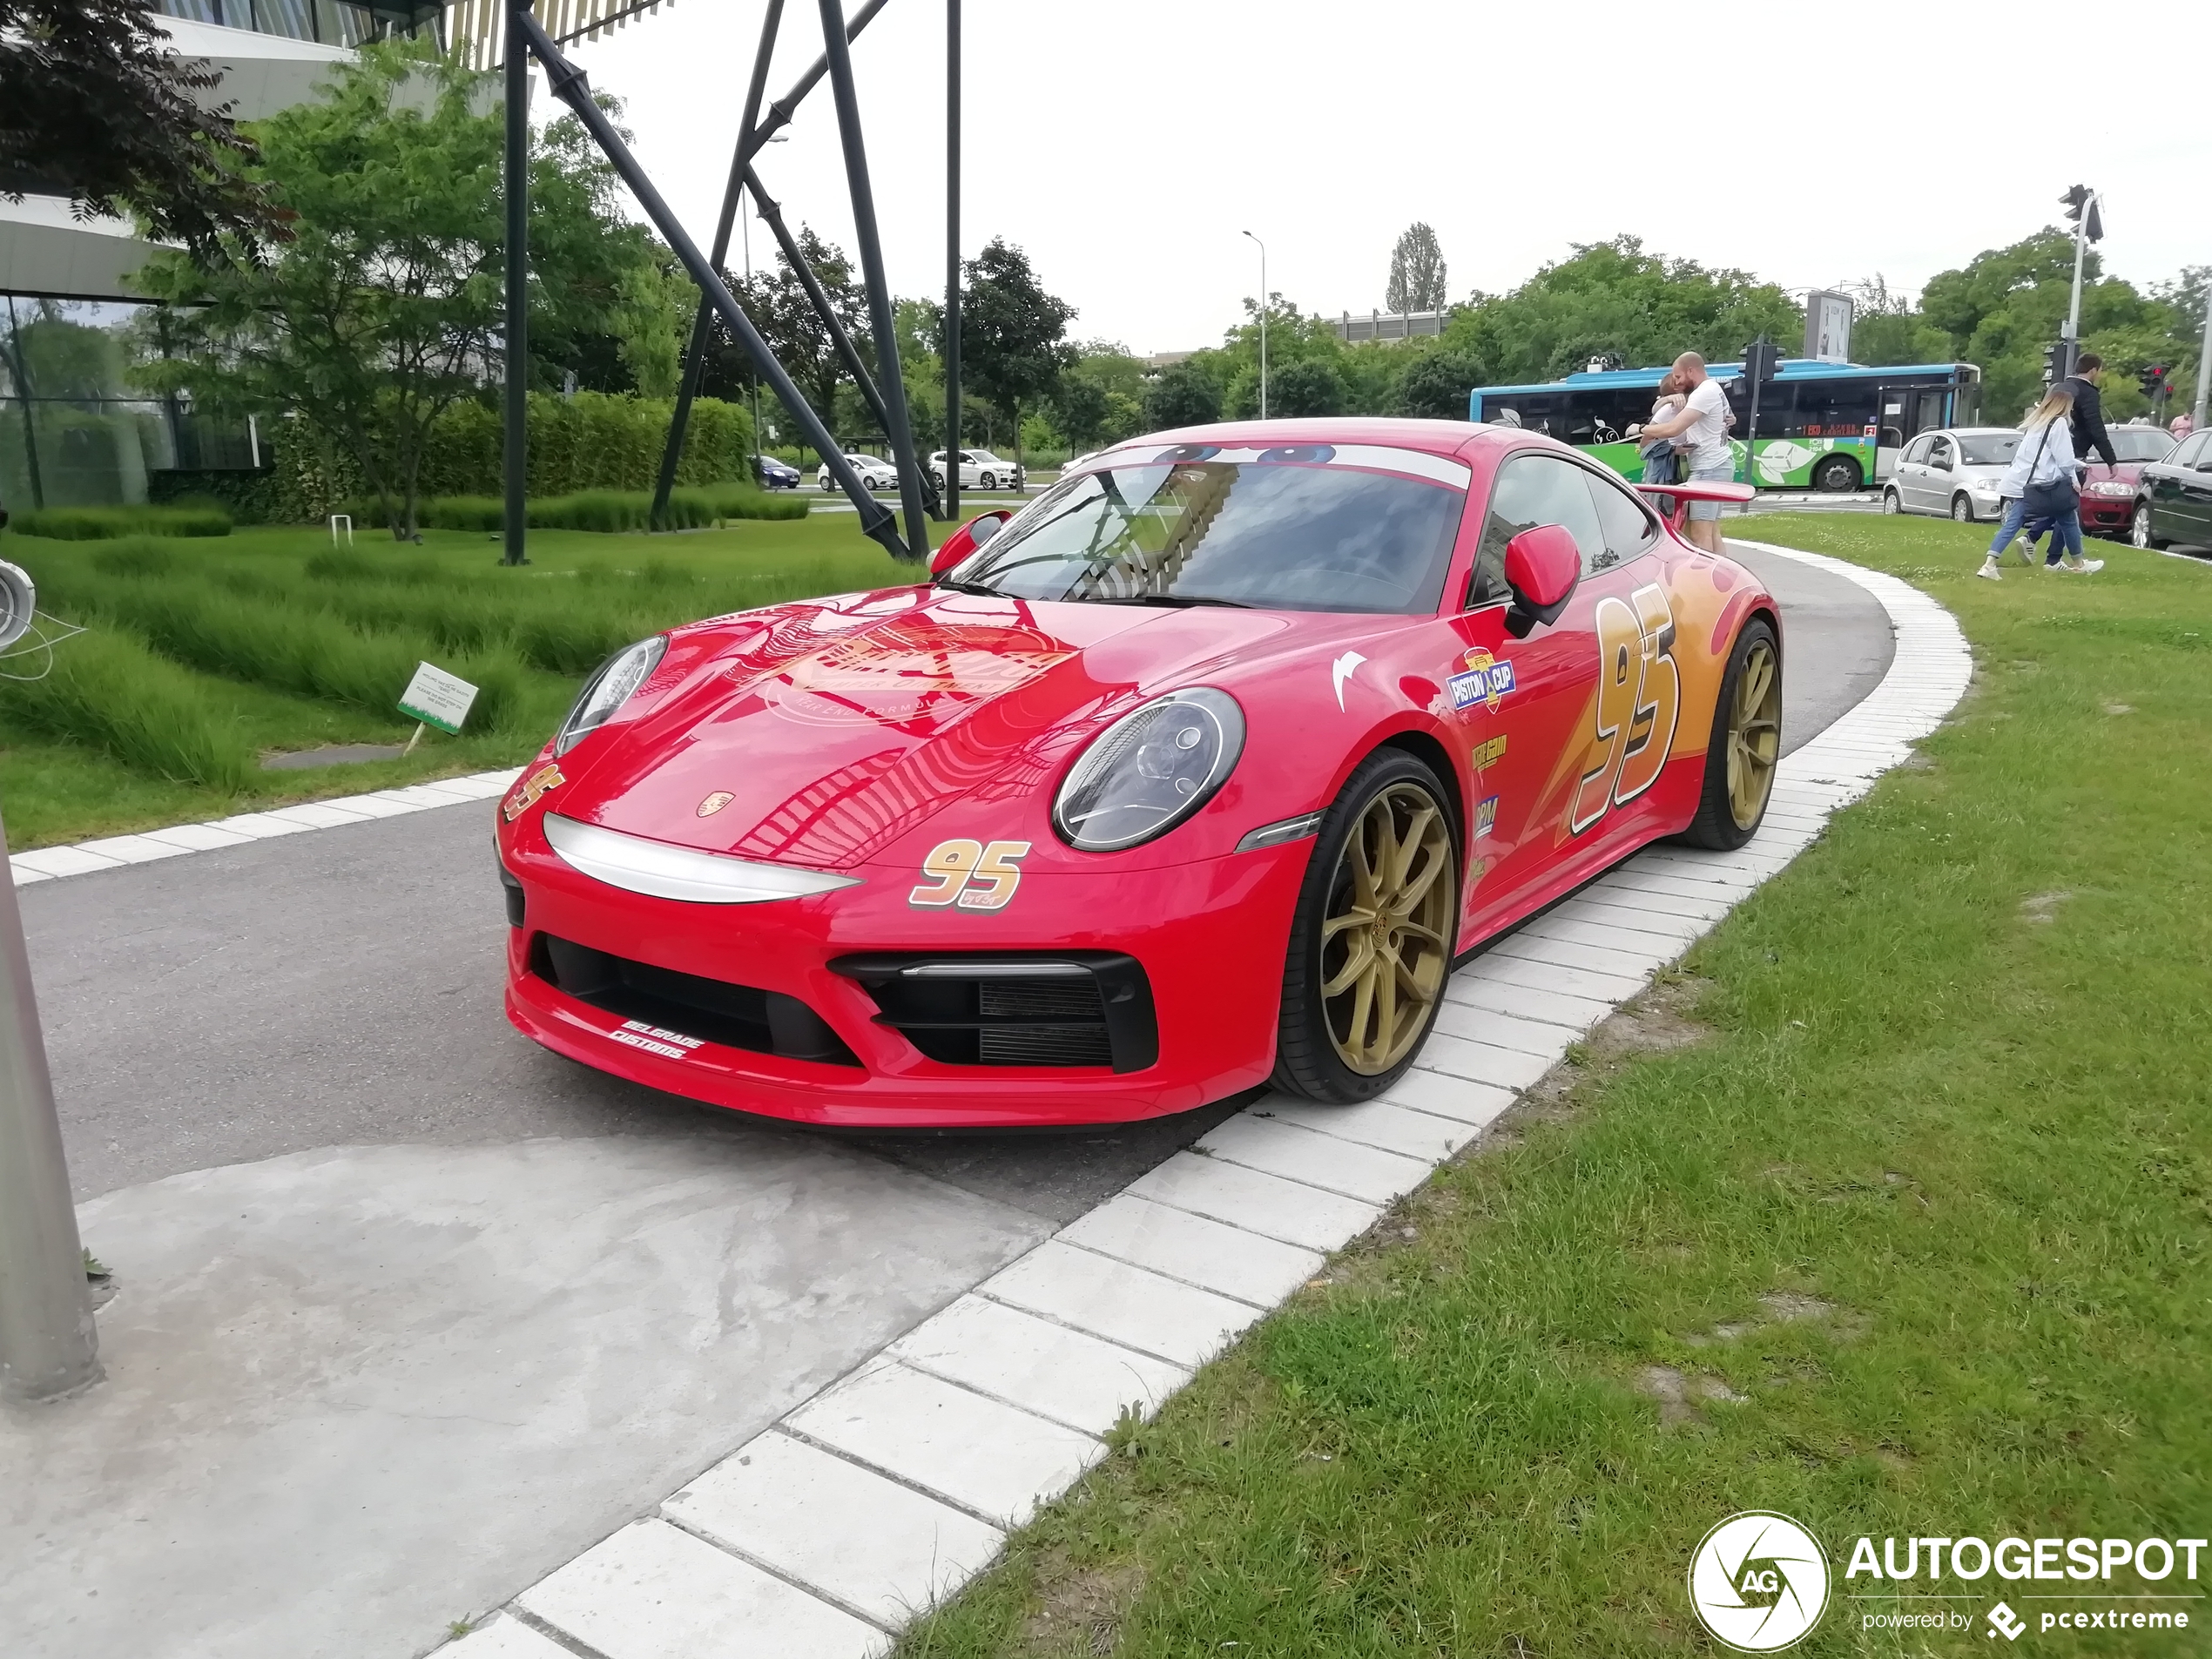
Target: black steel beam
x=750, y=139
x=570, y=85
x=515, y=548
x=702, y=322
x=883, y=324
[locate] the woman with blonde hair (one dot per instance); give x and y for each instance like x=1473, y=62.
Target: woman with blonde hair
x=2039, y=487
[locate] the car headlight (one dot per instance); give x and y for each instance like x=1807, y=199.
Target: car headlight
x=2111, y=487
x=608, y=689
x=1150, y=771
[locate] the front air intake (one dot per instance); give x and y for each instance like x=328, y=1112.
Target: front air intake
x=1067, y=1008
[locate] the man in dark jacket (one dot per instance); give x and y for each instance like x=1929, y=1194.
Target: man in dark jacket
x=2088, y=410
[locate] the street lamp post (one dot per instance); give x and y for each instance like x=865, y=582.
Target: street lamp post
x=2203, y=363
x=1263, y=324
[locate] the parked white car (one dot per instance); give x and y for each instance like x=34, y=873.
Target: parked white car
x=979, y=469
x=1955, y=472
x=875, y=472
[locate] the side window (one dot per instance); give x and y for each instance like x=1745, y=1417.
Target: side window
x=1533, y=489
x=1630, y=530
x=1917, y=450
x=2197, y=452
x=1940, y=453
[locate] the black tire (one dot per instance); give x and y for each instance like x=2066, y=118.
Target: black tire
x=2142, y=533
x=1307, y=1059
x=1717, y=825
x=1962, y=508
x=1891, y=502
x=1838, y=474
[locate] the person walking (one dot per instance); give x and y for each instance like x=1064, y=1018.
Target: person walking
x=2038, y=488
x=2087, y=420
x=1700, y=429
x=2182, y=426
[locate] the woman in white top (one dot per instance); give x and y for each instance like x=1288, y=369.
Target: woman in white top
x=2045, y=456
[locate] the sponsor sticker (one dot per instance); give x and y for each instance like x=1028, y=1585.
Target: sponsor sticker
x=1485, y=681
x=970, y=874
x=1488, y=755
x=670, y=1045
x=1486, y=816
x=531, y=790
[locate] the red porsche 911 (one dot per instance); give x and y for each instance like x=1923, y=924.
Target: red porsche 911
x=1197, y=773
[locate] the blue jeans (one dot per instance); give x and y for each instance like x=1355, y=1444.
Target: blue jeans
x=2067, y=535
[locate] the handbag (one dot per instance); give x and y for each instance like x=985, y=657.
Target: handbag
x=2055, y=500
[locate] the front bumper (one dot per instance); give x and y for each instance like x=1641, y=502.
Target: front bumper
x=1209, y=938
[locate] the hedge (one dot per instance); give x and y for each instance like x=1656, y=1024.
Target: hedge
x=605, y=510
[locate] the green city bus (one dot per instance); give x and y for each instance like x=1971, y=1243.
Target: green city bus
x=1822, y=425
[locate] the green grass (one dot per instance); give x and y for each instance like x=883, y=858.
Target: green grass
x=1952, y=1092
x=105, y=523
x=606, y=512
x=202, y=657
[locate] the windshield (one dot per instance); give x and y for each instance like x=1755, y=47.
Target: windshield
x=1304, y=527
x=1989, y=448
x=2141, y=442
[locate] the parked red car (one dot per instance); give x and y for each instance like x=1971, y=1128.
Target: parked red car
x=1201, y=770
x=2108, y=494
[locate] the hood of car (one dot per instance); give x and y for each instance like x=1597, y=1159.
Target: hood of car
x=2128, y=472
x=818, y=733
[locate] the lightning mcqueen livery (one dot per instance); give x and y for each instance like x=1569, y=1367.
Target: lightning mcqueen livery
x=1196, y=773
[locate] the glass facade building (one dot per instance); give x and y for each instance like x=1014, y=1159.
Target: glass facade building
x=329, y=23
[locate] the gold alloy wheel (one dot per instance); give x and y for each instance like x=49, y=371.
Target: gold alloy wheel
x=1386, y=945
x=1754, y=734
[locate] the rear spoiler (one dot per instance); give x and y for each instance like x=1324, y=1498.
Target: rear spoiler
x=1677, y=507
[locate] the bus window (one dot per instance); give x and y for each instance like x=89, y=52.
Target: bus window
x=1533, y=489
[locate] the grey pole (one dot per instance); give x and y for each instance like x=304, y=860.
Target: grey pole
x=2204, y=361
x=1263, y=324
x=48, y=1345
x=952, y=261
x=2073, y=351
x=518, y=282
x=889, y=378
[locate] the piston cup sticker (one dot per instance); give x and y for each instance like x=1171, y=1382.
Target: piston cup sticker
x=1759, y=1582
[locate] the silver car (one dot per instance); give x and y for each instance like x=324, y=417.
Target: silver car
x=1954, y=471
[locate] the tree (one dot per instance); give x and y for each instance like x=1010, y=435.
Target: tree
x=1012, y=334
x=378, y=310
x=1305, y=385
x=1184, y=394
x=1416, y=271
x=93, y=106
x=1435, y=385
x=1080, y=411
x=778, y=304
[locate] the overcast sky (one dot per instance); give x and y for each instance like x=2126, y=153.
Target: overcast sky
x=1125, y=143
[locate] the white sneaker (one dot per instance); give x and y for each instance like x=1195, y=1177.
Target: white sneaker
x=2090, y=567
x=1989, y=569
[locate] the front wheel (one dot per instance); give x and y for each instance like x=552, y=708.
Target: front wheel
x=1747, y=741
x=1962, y=508
x=1838, y=474
x=1371, y=943
x=1891, y=503
x=2140, y=533
x=825, y=483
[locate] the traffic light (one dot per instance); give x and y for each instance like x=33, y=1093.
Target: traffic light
x=1762, y=359
x=2054, y=363
x=2079, y=200
x=2151, y=381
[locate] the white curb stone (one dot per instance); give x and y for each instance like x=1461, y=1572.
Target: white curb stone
x=885, y=1493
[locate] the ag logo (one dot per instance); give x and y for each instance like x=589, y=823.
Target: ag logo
x=1759, y=1581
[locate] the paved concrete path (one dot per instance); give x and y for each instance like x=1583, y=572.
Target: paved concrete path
x=410, y=1311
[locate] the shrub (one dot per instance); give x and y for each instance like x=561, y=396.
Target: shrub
x=105, y=523
x=603, y=511
x=105, y=688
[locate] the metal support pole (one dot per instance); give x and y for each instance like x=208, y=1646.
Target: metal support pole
x=771, y=215
x=750, y=142
x=518, y=283
x=1262, y=247
x=570, y=85
x=951, y=260
x=2204, y=361
x=2071, y=354
x=882, y=321
x=702, y=322
x=49, y=1346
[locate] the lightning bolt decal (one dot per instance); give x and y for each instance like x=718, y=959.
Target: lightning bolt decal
x=1340, y=670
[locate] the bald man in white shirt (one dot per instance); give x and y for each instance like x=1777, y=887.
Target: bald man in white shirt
x=1701, y=429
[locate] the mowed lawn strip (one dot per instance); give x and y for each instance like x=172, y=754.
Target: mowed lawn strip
x=1910, y=1234
x=204, y=654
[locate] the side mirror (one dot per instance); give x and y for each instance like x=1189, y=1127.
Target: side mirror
x=1543, y=566
x=965, y=540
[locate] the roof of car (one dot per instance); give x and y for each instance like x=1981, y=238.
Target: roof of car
x=1437, y=438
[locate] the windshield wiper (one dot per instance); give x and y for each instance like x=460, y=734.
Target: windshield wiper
x=1180, y=600
x=959, y=586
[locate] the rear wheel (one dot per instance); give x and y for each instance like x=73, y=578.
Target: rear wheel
x=1746, y=741
x=1962, y=508
x=1891, y=503
x=2140, y=532
x=1371, y=944
x=1838, y=474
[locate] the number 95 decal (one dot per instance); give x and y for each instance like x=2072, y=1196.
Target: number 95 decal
x=970, y=874
x=1639, y=699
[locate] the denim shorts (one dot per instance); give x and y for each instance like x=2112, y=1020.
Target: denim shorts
x=1711, y=509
